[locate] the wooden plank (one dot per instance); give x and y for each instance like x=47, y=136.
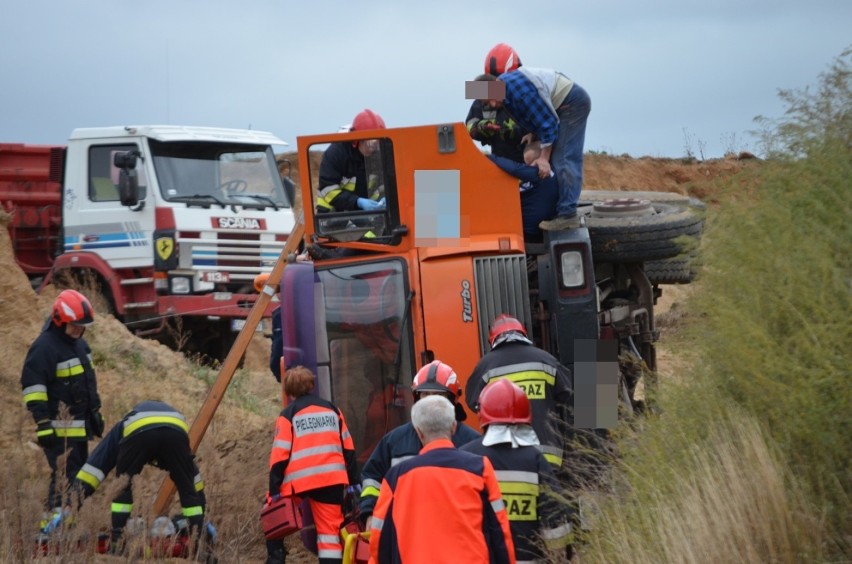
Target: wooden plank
x=229, y=366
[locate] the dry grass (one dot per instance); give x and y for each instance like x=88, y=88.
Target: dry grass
x=232, y=458
x=729, y=498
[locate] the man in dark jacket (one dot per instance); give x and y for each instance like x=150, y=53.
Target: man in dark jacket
x=57, y=376
x=155, y=433
x=547, y=383
x=402, y=443
x=344, y=184
x=527, y=483
x=277, y=346
x=495, y=126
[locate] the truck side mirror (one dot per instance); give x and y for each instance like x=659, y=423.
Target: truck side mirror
x=128, y=178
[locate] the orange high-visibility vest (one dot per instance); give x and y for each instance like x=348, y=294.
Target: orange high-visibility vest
x=313, y=442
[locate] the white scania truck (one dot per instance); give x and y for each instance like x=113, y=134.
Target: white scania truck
x=169, y=224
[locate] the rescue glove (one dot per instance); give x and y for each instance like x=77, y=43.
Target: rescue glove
x=509, y=129
x=350, y=501
x=488, y=127
x=270, y=499
x=45, y=435
x=354, y=490
x=96, y=420
x=369, y=205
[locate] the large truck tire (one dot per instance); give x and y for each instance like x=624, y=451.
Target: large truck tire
x=672, y=198
x=677, y=270
x=622, y=237
x=680, y=269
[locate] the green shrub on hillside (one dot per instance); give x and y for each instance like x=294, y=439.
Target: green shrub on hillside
x=777, y=293
x=777, y=334
x=749, y=460
x=813, y=118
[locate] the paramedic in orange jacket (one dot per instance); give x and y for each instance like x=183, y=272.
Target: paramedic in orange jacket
x=442, y=506
x=312, y=456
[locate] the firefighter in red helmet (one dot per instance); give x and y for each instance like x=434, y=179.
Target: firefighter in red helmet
x=526, y=479
x=402, y=443
x=501, y=58
x=554, y=109
x=547, y=383
x=344, y=183
x=367, y=119
x=496, y=127
x=57, y=372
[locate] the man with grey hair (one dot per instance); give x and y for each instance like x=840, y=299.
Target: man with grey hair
x=444, y=503
x=433, y=420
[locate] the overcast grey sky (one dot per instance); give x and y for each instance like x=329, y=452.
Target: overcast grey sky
x=662, y=74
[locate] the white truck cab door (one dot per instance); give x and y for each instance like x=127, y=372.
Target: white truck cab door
x=94, y=219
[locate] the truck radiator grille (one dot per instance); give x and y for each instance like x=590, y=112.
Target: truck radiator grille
x=501, y=287
x=241, y=255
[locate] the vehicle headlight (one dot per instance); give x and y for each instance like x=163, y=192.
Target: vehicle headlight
x=181, y=285
x=572, y=269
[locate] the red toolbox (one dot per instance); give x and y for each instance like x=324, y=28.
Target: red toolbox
x=281, y=518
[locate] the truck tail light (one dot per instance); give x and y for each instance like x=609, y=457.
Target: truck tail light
x=571, y=269
x=574, y=269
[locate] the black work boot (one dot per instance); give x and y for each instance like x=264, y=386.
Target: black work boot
x=276, y=552
x=116, y=542
x=561, y=223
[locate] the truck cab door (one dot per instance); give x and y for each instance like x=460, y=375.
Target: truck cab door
x=95, y=220
x=351, y=324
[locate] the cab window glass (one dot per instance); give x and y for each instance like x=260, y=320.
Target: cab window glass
x=354, y=191
x=369, y=347
x=104, y=175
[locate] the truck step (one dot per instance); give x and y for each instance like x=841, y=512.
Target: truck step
x=140, y=305
x=135, y=281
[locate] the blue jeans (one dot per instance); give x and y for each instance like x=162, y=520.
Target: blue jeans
x=538, y=197
x=566, y=157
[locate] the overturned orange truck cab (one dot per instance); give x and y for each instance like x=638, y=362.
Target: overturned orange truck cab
x=423, y=277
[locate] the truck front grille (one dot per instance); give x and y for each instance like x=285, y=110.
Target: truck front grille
x=501, y=287
x=241, y=255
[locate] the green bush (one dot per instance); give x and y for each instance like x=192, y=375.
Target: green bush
x=776, y=339
x=753, y=444
x=776, y=336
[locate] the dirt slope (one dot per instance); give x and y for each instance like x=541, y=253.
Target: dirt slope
x=233, y=456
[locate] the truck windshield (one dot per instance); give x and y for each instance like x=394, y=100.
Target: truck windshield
x=368, y=347
x=220, y=173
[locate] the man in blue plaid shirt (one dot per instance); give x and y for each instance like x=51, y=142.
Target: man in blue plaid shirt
x=555, y=109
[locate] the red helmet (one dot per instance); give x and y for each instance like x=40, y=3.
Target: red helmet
x=437, y=377
x=503, y=401
x=501, y=58
x=72, y=307
x=367, y=119
x=502, y=325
